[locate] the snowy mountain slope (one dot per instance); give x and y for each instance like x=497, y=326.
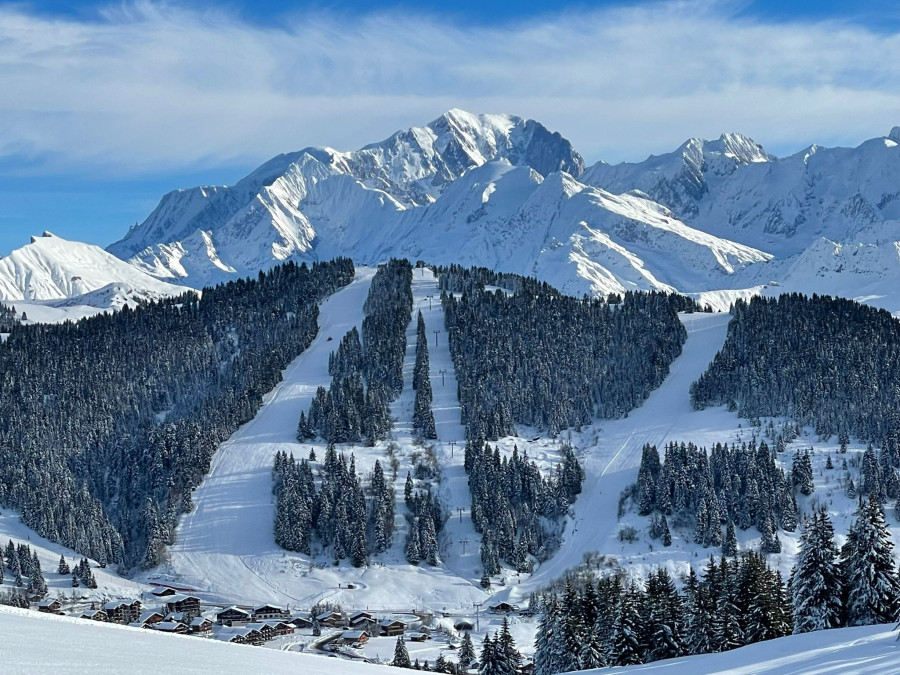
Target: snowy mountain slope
x=44, y=643
x=51, y=268
x=870, y=650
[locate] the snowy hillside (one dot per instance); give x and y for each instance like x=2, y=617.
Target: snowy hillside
x=871, y=650
x=44, y=643
x=52, y=269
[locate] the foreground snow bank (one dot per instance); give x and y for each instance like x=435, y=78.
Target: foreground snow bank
x=43, y=643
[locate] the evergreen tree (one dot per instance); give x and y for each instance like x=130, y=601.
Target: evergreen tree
x=401, y=654
x=816, y=579
x=466, y=652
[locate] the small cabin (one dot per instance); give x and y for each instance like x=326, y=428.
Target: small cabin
x=419, y=637
x=391, y=627
x=189, y=604
x=201, y=626
x=48, y=606
x=150, y=617
x=300, y=622
x=163, y=591
x=354, y=637
x=233, y=615
x=331, y=619
x=504, y=608
x=267, y=612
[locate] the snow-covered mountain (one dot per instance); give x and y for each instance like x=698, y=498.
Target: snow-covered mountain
x=54, y=269
x=719, y=218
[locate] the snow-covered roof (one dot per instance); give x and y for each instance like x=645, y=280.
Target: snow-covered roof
x=274, y=608
x=169, y=626
x=384, y=623
x=199, y=621
x=115, y=604
x=325, y=615
x=234, y=609
x=149, y=614
x=47, y=602
x=353, y=634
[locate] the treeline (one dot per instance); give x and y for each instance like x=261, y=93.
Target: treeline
x=731, y=486
x=337, y=516
x=425, y=519
x=423, y=415
x=107, y=424
x=515, y=508
x=833, y=365
x=22, y=562
x=543, y=359
x=8, y=318
x=366, y=375
x=613, y=623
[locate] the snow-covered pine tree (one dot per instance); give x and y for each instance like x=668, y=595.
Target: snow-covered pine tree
x=815, y=582
x=401, y=654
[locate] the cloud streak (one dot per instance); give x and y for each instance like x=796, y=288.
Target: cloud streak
x=152, y=87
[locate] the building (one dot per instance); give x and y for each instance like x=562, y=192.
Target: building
x=265, y=630
x=50, y=606
x=172, y=627
x=300, y=622
x=189, y=604
x=94, y=615
x=201, y=626
x=163, y=591
x=243, y=635
x=148, y=618
x=354, y=637
x=119, y=611
x=504, y=608
x=233, y=615
x=331, y=619
x=178, y=617
x=419, y=637
x=391, y=627
x=267, y=612
x=361, y=619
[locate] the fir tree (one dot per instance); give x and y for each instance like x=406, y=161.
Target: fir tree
x=401, y=654
x=816, y=580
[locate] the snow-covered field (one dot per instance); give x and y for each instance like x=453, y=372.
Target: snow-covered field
x=43, y=643
x=870, y=650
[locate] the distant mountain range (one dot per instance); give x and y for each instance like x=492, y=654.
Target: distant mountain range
x=718, y=219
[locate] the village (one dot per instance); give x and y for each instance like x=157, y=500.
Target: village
x=361, y=635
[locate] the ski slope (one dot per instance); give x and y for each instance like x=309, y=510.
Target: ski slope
x=869, y=650
x=44, y=643
x=225, y=548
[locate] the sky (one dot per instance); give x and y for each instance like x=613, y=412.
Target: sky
x=104, y=107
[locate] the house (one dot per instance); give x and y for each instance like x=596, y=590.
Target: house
x=281, y=627
x=178, y=617
x=266, y=612
x=504, y=608
x=354, y=637
x=527, y=668
x=265, y=630
x=163, y=591
x=391, y=627
x=50, y=606
x=300, y=622
x=233, y=615
x=201, y=626
x=172, y=627
x=189, y=604
x=240, y=635
x=94, y=615
x=359, y=619
x=135, y=608
x=118, y=611
x=463, y=625
x=149, y=618
x=331, y=619
x=419, y=637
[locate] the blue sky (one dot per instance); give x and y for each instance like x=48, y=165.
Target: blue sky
x=106, y=106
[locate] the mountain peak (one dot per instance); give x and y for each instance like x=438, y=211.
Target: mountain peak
x=895, y=135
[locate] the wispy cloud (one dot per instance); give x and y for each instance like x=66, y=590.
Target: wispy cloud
x=148, y=87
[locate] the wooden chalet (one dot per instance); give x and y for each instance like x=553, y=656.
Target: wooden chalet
x=201, y=626
x=360, y=619
x=163, y=591
x=281, y=627
x=189, y=604
x=267, y=612
x=49, y=606
x=172, y=627
x=504, y=608
x=419, y=637
x=265, y=630
x=94, y=615
x=391, y=627
x=233, y=615
x=242, y=635
x=354, y=637
x=178, y=617
x=118, y=611
x=300, y=622
x=331, y=619
x=149, y=617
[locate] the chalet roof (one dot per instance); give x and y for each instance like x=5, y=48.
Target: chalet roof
x=115, y=604
x=353, y=634
x=161, y=591
x=326, y=615
x=274, y=608
x=169, y=626
x=234, y=608
x=200, y=620
x=357, y=615
x=234, y=631
x=49, y=602
x=149, y=614
x=91, y=613
x=176, y=616
x=384, y=623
